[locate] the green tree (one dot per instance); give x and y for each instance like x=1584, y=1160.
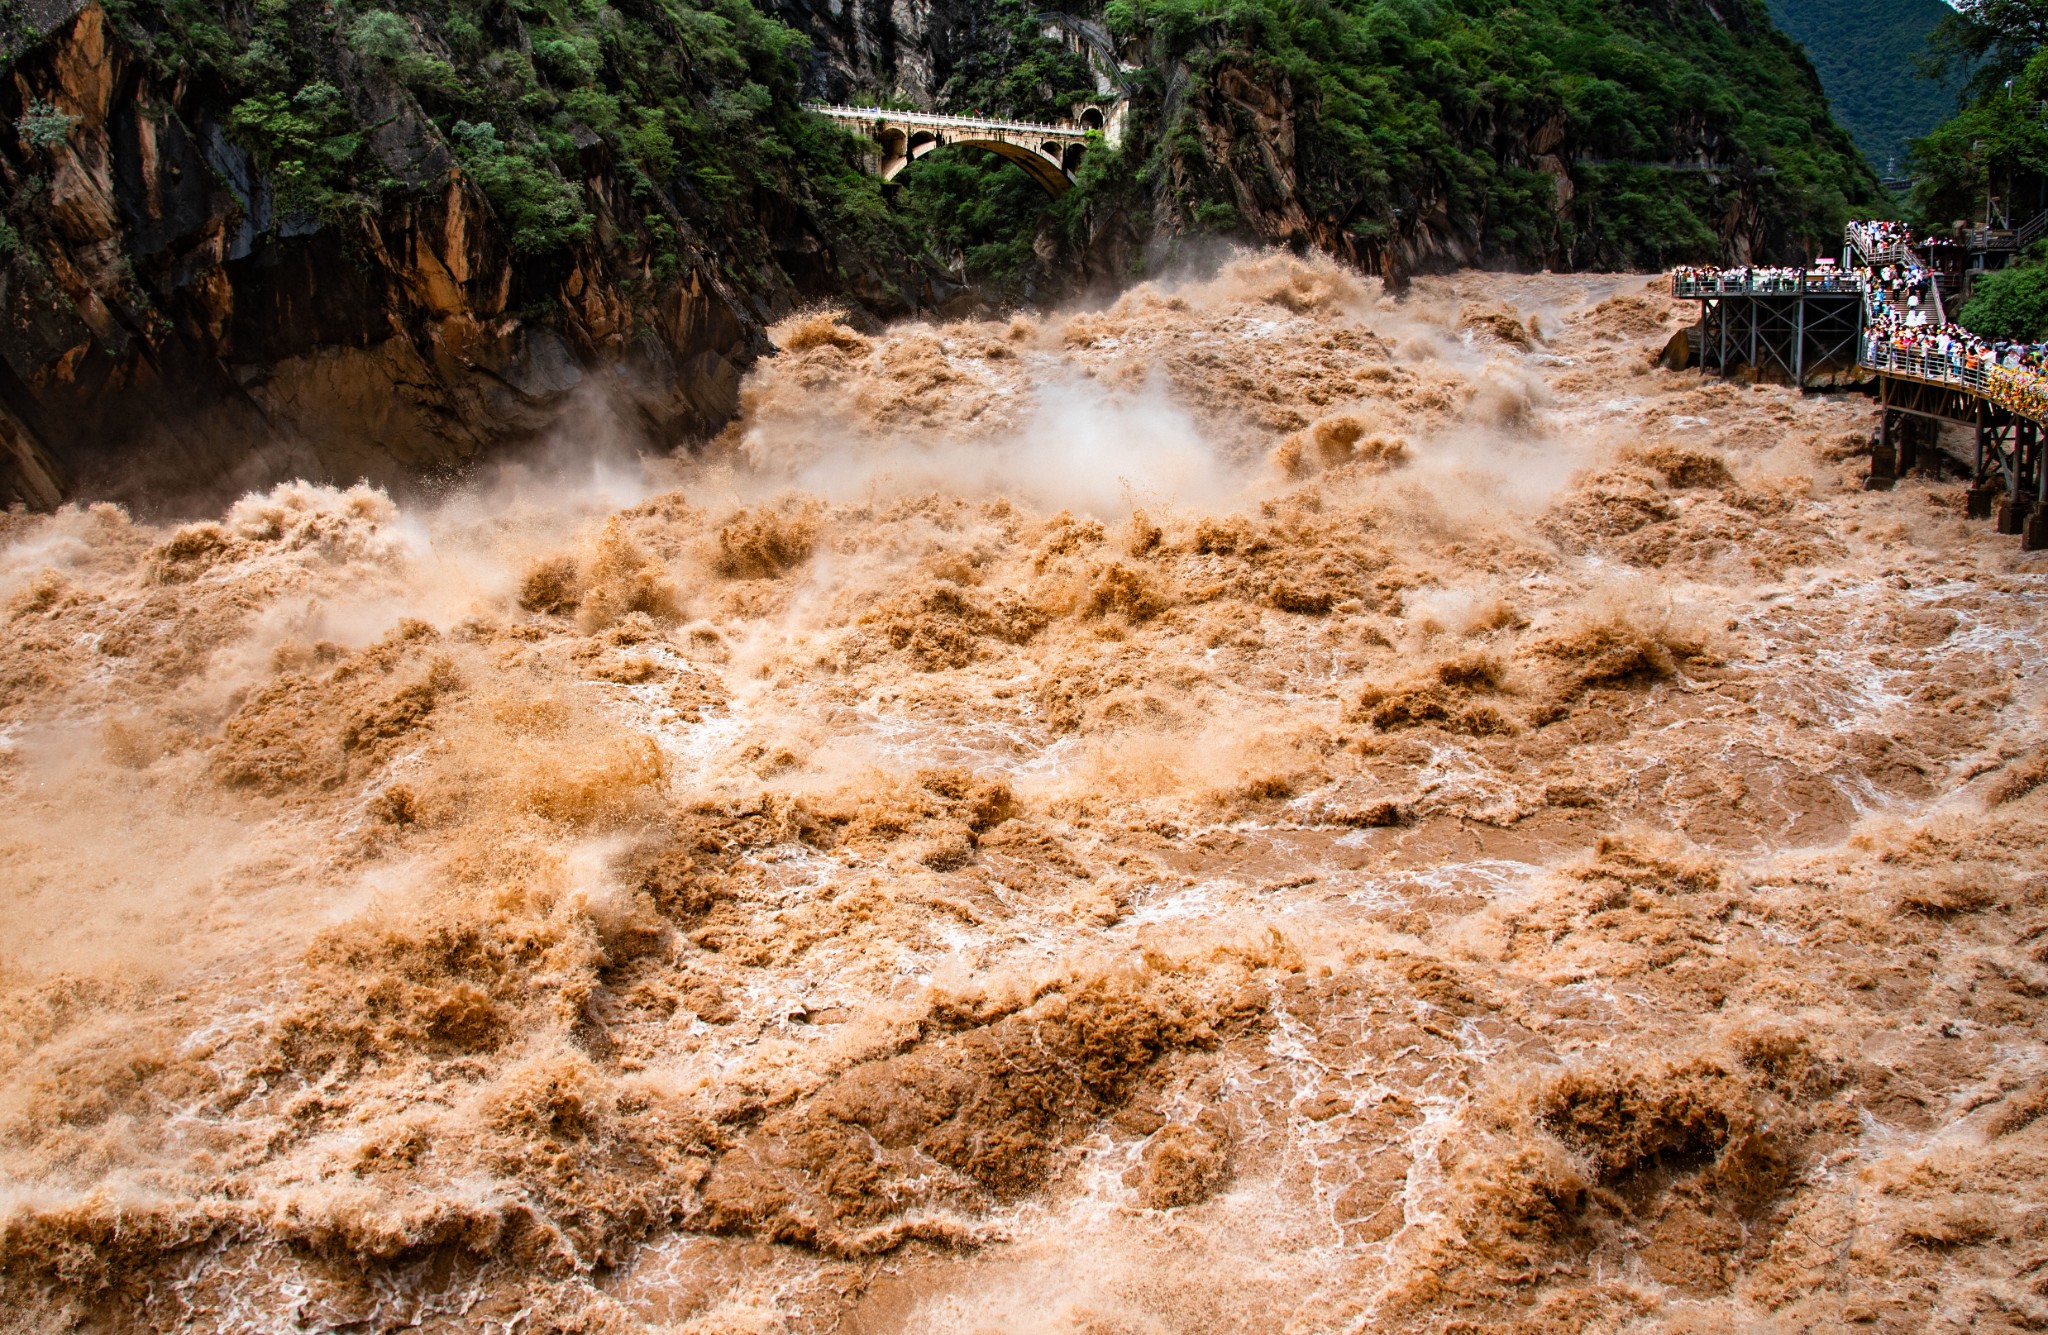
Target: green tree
x=1990, y=39
x=542, y=211
x=2012, y=303
x=308, y=142
x=1998, y=143
x=970, y=207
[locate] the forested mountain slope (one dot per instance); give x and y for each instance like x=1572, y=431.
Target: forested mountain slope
x=1402, y=134
x=1865, y=52
x=347, y=239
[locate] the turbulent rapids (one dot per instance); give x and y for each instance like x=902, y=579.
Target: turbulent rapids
x=1259, y=807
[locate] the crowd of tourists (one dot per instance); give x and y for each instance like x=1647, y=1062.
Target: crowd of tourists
x=1765, y=278
x=1901, y=322
x=2008, y=372
x=1902, y=316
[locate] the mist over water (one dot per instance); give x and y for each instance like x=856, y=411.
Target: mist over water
x=1258, y=807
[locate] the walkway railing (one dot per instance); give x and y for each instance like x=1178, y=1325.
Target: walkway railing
x=2020, y=391
x=870, y=114
x=1877, y=250
x=1874, y=249
x=1691, y=287
x=2008, y=238
x=1934, y=367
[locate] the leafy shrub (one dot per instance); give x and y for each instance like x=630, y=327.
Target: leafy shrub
x=542, y=210
x=651, y=145
x=570, y=57
x=307, y=142
x=43, y=125
x=969, y=206
x=382, y=35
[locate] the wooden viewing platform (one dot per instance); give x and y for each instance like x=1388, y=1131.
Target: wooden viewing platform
x=2006, y=423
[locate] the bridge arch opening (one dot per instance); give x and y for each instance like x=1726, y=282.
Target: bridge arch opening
x=1046, y=166
x=1070, y=160
x=977, y=212
x=895, y=144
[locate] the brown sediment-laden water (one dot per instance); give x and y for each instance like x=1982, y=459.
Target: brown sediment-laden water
x=1259, y=807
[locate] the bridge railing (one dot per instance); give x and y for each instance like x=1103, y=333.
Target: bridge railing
x=1691, y=287
x=869, y=115
x=1876, y=250
x=2015, y=389
x=2021, y=390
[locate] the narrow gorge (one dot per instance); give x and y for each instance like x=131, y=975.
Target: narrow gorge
x=244, y=246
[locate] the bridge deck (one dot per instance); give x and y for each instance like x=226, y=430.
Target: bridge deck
x=869, y=115
x=1048, y=153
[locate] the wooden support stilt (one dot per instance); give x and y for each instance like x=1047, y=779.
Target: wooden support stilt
x=1768, y=324
x=2018, y=504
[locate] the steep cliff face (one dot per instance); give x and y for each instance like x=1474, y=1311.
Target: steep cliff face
x=172, y=333
x=1598, y=136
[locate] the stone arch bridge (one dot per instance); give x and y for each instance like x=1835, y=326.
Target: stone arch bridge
x=1047, y=153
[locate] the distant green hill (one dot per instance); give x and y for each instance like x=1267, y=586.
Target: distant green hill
x=1863, y=51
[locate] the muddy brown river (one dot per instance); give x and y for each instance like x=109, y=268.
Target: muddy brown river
x=1257, y=807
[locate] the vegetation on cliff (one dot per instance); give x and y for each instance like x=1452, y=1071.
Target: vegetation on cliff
x=1580, y=133
x=694, y=100
x=2012, y=303
x=1997, y=142
x=1570, y=132
x=1868, y=54
x=1996, y=146
x=638, y=179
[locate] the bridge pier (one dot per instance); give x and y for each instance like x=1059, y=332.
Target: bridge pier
x=1905, y=441
x=2023, y=507
x=1884, y=455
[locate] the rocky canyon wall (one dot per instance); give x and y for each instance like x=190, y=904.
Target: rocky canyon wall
x=1402, y=141
x=170, y=337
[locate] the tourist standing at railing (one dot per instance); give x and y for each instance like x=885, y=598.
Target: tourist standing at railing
x=1899, y=331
